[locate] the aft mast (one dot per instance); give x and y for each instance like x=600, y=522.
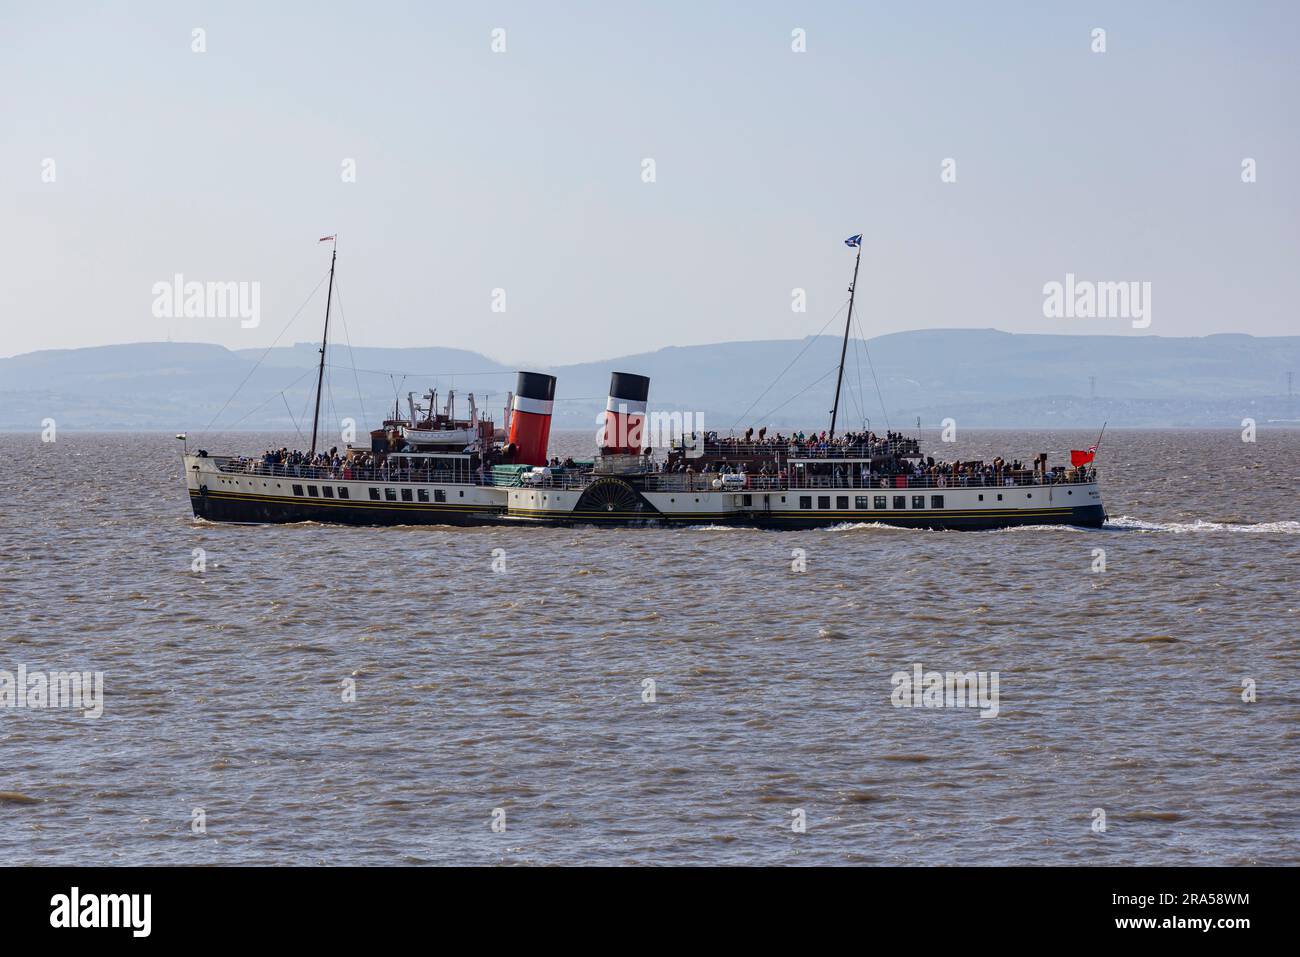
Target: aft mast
x=320, y=378
x=848, y=324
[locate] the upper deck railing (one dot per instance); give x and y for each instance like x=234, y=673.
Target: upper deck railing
x=807, y=450
x=703, y=481
x=666, y=481
x=383, y=473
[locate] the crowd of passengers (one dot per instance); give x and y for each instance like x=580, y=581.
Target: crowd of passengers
x=355, y=464
x=889, y=474
x=810, y=444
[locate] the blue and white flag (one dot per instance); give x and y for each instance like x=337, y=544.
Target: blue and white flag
x=854, y=240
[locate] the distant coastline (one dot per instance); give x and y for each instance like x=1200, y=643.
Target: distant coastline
x=980, y=378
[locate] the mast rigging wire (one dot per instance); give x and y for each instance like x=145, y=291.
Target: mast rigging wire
x=268, y=399
x=352, y=357
x=291, y=418
x=800, y=392
x=880, y=395
x=807, y=345
x=258, y=363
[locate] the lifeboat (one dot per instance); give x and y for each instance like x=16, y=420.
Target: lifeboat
x=438, y=436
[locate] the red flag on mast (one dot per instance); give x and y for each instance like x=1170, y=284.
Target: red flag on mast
x=1078, y=458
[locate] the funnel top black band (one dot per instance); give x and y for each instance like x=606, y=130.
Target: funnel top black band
x=536, y=385
x=630, y=386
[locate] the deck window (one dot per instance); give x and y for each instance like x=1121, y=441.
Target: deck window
x=860, y=501
x=297, y=490
x=422, y=494
x=841, y=502
x=439, y=495
x=881, y=501
x=900, y=501
x=374, y=495
x=936, y=501
x=406, y=495
x=823, y=501
x=748, y=500
x=918, y=501
x=343, y=491
x=805, y=501
x=390, y=494
x=311, y=490
x=328, y=491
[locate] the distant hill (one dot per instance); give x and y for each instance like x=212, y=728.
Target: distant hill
x=980, y=377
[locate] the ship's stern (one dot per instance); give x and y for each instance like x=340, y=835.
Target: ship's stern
x=1091, y=513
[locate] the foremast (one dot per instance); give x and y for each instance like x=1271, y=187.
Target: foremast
x=320, y=377
x=848, y=324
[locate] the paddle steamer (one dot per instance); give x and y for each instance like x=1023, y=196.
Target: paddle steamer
x=431, y=467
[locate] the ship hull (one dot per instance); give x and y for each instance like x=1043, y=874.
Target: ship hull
x=1087, y=516
x=220, y=494
x=257, y=510
x=253, y=509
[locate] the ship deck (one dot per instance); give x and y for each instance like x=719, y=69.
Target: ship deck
x=650, y=480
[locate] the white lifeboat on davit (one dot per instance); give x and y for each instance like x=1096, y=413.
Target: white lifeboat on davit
x=438, y=436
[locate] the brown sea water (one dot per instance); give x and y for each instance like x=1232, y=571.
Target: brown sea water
x=476, y=690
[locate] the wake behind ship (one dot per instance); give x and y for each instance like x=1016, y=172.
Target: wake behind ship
x=433, y=467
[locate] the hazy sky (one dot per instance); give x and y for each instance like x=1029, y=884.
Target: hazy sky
x=523, y=170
